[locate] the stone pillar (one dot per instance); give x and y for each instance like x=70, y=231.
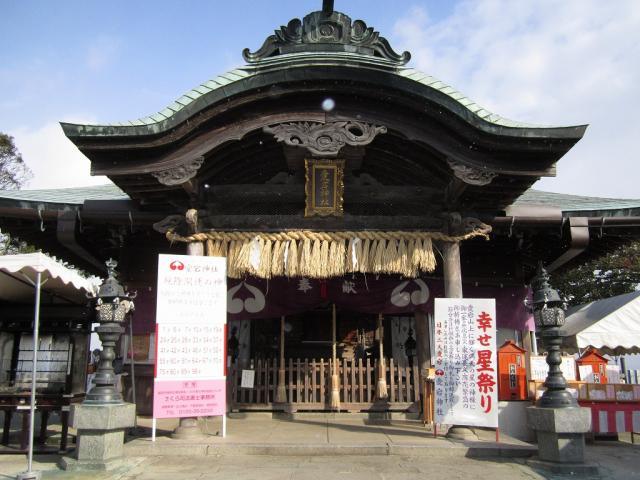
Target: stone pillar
x=188, y=427
x=560, y=432
x=101, y=430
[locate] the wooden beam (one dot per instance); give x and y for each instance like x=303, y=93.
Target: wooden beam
x=454, y=191
x=347, y=222
x=295, y=193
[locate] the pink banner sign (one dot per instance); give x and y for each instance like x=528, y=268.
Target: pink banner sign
x=466, y=388
x=188, y=398
x=191, y=318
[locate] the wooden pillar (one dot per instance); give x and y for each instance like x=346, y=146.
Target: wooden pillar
x=335, y=378
x=195, y=248
x=453, y=289
x=64, y=420
x=452, y=270
x=281, y=392
x=188, y=427
x=44, y=420
x=423, y=344
x=381, y=387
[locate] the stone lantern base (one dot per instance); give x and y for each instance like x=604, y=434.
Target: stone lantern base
x=100, y=441
x=560, y=433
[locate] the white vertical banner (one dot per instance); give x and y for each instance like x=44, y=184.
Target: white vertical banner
x=466, y=383
x=191, y=323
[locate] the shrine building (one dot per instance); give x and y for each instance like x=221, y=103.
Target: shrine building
x=347, y=190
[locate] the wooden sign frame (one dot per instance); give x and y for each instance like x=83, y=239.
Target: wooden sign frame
x=324, y=187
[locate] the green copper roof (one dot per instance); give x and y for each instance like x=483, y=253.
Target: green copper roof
x=245, y=72
x=323, y=45
x=70, y=196
x=575, y=203
x=473, y=107
x=188, y=98
x=292, y=66
x=567, y=203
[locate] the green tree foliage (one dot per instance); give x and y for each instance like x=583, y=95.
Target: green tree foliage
x=14, y=173
x=613, y=274
x=12, y=245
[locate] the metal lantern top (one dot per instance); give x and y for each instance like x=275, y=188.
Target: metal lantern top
x=112, y=302
x=547, y=306
x=543, y=294
x=111, y=288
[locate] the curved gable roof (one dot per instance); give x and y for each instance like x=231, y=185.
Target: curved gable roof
x=248, y=77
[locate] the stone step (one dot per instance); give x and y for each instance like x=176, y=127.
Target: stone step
x=438, y=448
x=408, y=416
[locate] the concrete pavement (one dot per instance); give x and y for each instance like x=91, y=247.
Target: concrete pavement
x=322, y=434
x=617, y=461
x=327, y=446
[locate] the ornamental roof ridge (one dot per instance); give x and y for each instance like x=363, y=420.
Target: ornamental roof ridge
x=326, y=31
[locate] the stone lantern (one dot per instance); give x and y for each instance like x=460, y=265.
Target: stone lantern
x=548, y=314
x=559, y=423
x=112, y=306
x=101, y=420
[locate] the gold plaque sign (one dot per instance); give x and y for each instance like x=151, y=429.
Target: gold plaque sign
x=324, y=187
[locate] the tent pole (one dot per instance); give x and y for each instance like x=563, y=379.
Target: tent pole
x=36, y=327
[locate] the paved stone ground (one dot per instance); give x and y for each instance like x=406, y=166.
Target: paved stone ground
x=617, y=461
x=438, y=458
x=294, y=468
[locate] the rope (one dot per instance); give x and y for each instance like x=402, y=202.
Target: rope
x=481, y=231
x=325, y=254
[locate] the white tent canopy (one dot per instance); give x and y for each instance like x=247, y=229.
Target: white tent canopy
x=22, y=280
x=18, y=275
x=611, y=325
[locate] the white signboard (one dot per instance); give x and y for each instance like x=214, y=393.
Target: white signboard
x=248, y=378
x=586, y=374
x=613, y=373
x=190, y=336
x=466, y=383
x=540, y=368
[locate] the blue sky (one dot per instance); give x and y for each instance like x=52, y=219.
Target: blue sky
x=556, y=62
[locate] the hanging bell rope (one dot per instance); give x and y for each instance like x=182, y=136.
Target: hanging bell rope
x=326, y=254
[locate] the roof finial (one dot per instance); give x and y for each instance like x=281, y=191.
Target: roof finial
x=326, y=31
